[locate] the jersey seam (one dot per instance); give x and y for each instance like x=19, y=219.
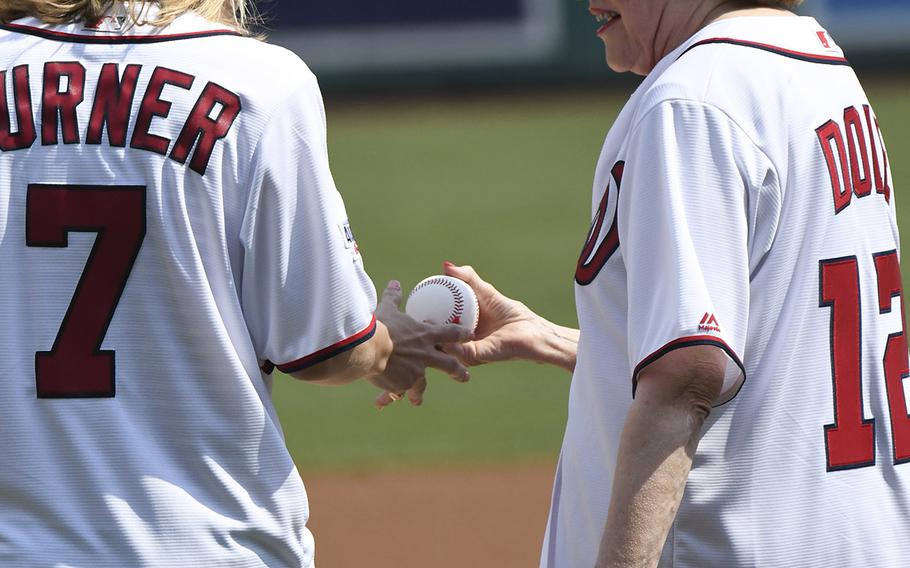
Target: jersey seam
x=635, y=127
x=634, y=130
x=804, y=56
x=257, y=165
x=250, y=221
x=690, y=341
x=330, y=351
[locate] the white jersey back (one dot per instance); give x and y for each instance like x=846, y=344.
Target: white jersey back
x=169, y=231
x=755, y=213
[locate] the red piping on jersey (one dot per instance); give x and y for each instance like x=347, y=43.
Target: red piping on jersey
x=688, y=341
x=80, y=38
x=327, y=353
x=810, y=57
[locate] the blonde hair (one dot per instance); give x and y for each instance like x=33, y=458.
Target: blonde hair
x=238, y=14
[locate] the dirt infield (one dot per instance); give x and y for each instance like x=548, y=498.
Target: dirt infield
x=430, y=519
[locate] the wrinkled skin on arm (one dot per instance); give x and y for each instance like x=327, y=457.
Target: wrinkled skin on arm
x=659, y=439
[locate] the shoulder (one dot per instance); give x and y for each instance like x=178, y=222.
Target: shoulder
x=720, y=79
x=260, y=65
x=274, y=84
x=754, y=70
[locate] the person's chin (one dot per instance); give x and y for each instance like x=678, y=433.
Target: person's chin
x=622, y=64
x=619, y=59
x=616, y=64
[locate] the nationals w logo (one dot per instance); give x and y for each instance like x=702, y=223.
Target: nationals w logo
x=591, y=261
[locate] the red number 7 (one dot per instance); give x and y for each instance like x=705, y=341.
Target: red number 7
x=76, y=366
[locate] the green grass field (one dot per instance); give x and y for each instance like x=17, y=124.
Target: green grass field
x=503, y=183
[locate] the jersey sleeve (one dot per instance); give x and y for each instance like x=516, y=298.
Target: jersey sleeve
x=305, y=294
x=684, y=234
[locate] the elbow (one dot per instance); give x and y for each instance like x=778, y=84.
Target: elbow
x=689, y=380
x=702, y=385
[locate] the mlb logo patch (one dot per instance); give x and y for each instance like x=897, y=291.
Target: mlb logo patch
x=350, y=242
x=348, y=234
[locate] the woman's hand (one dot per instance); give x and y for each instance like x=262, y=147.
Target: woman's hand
x=507, y=329
x=414, y=349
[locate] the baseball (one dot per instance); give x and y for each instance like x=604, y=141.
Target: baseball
x=443, y=299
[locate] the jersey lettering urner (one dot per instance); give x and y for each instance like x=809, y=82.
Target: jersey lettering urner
x=847, y=148
x=139, y=226
x=63, y=91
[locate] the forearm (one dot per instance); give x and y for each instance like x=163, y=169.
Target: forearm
x=655, y=456
x=661, y=433
x=557, y=345
x=365, y=360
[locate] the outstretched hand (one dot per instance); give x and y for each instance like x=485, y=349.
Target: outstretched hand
x=508, y=329
x=414, y=350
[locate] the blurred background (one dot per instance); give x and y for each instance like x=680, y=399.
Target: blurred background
x=468, y=131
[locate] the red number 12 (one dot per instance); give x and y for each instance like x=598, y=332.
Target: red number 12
x=850, y=441
x=76, y=366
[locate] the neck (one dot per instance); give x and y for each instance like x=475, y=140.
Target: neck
x=701, y=15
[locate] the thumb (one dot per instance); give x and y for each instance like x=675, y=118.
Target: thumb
x=468, y=354
x=449, y=333
x=392, y=293
x=465, y=273
x=481, y=287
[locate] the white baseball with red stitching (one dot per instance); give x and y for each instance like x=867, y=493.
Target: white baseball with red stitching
x=443, y=299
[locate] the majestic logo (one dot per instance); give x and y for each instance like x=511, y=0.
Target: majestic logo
x=593, y=255
x=824, y=39
x=709, y=323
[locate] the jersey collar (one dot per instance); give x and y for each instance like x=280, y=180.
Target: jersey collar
x=116, y=27
x=800, y=38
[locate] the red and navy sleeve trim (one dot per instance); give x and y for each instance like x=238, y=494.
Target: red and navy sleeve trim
x=810, y=57
x=111, y=40
x=690, y=341
x=325, y=354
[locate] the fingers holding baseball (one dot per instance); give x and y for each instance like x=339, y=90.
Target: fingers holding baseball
x=506, y=329
x=391, y=296
x=449, y=365
x=412, y=356
x=469, y=275
x=479, y=352
x=487, y=295
x=448, y=333
x=496, y=310
x=436, y=338
x=414, y=350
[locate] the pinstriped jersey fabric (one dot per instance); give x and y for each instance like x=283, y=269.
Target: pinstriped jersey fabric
x=743, y=200
x=168, y=228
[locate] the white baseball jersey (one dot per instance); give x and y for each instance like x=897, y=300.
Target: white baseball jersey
x=169, y=232
x=743, y=200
